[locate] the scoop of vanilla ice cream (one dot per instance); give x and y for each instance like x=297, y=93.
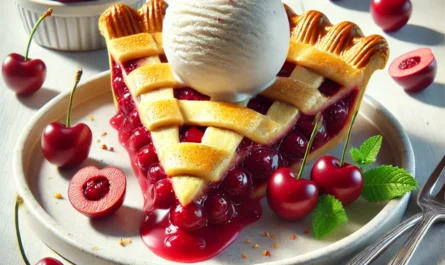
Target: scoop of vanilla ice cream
x=227, y=49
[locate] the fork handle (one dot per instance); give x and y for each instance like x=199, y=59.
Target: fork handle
x=406, y=252
x=374, y=250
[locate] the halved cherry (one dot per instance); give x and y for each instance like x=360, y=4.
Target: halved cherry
x=192, y=135
x=97, y=193
x=415, y=70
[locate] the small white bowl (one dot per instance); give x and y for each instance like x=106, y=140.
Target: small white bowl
x=72, y=26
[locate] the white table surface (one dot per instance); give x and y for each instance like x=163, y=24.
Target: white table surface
x=422, y=114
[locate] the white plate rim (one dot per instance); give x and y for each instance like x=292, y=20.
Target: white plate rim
x=357, y=238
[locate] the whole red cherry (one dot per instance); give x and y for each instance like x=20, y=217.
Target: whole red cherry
x=344, y=182
x=289, y=197
x=391, y=15
x=21, y=74
x=63, y=145
x=49, y=261
x=415, y=70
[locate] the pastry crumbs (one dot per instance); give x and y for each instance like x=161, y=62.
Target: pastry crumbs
x=266, y=253
x=104, y=134
x=265, y=234
x=111, y=149
x=98, y=140
x=275, y=246
x=247, y=241
x=91, y=118
x=94, y=248
x=58, y=195
x=272, y=236
x=293, y=237
x=255, y=245
x=244, y=256
x=104, y=146
x=124, y=242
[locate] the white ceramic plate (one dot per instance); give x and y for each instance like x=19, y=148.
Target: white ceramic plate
x=86, y=241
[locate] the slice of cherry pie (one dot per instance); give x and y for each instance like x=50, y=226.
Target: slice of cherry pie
x=208, y=162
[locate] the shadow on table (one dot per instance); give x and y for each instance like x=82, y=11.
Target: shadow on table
x=123, y=223
x=433, y=95
x=39, y=98
x=92, y=60
x=362, y=5
x=68, y=173
x=419, y=34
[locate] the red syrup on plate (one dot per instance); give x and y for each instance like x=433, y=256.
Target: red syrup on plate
x=209, y=225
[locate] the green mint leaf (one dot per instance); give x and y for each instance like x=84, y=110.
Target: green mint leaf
x=356, y=155
x=387, y=182
x=369, y=150
x=327, y=216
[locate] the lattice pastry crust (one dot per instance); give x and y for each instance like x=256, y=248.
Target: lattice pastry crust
x=338, y=52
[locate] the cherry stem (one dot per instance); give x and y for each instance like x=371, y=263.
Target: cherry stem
x=70, y=103
x=18, y=202
x=345, y=148
x=309, y=144
x=45, y=15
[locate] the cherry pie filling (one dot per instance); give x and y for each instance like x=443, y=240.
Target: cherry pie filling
x=210, y=224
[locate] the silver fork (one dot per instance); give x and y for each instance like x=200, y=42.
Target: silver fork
x=433, y=209
x=374, y=250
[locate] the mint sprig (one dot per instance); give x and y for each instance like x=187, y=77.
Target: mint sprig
x=386, y=182
x=367, y=154
x=327, y=216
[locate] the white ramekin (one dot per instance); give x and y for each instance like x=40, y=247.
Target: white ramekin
x=72, y=26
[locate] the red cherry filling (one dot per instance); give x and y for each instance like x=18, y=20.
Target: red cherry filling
x=163, y=194
x=187, y=233
x=218, y=208
x=96, y=188
x=260, y=104
x=286, y=70
x=335, y=117
x=293, y=146
x=147, y=156
x=189, y=94
x=117, y=120
x=305, y=126
x=261, y=162
x=237, y=184
x=156, y=173
x=329, y=87
x=192, y=135
x=190, y=217
x=97, y=193
x=139, y=139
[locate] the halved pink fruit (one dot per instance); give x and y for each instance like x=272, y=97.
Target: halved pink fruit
x=415, y=70
x=97, y=193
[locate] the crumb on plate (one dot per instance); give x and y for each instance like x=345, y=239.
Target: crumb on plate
x=266, y=253
x=125, y=241
x=58, y=195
